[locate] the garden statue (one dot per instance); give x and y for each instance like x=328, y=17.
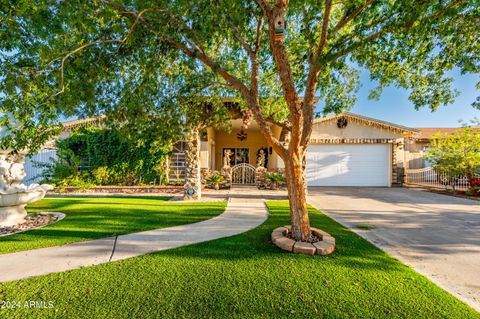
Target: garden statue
x=260, y=171
x=14, y=196
x=226, y=171
x=226, y=158
x=261, y=158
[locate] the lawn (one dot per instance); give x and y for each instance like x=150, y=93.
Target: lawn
x=243, y=276
x=90, y=218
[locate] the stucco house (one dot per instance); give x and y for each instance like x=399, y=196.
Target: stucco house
x=417, y=146
x=345, y=150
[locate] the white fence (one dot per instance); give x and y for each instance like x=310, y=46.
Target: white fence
x=430, y=178
x=47, y=155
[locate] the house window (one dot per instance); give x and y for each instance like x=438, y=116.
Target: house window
x=239, y=155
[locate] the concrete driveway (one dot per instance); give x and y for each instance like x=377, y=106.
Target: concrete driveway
x=438, y=235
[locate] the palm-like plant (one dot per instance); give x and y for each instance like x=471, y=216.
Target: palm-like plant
x=215, y=181
x=275, y=179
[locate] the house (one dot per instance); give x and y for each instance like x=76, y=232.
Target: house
x=48, y=152
x=345, y=150
x=418, y=145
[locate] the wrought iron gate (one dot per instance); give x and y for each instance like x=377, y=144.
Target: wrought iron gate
x=244, y=174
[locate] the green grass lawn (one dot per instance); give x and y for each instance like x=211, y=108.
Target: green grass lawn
x=243, y=276
x=89, y=218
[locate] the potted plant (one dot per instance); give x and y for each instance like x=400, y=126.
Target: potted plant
x=215, y=181
x=275, y=179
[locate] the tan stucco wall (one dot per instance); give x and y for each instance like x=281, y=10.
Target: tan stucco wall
x=415, y=153
x=254, y=142
x=329, y=130
x=224, y=139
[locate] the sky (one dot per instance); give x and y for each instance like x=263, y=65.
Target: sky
x=395, y=107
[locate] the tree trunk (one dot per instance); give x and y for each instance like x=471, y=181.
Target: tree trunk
x=297, y=198
x=192, y=164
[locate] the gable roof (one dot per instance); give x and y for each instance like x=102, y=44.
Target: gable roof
x=367, y=121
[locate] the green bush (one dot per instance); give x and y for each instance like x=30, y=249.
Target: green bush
x=106, y=157
x=275, y=179
x=215, y=180
x=101, y=175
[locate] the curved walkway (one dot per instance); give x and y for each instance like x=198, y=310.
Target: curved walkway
x=240, y=216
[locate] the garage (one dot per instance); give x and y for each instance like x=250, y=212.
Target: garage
x=348, y=165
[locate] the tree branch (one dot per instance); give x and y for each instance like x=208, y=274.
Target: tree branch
x=266, y=8
x=323, y=36
x=352, y=16
x=254, y=60
x=238, y=36
x=312, y=78
x=388, y=30
x=197, y=53
x=80, y=48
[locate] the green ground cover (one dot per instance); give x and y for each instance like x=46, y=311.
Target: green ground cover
x=243, y=276
x=98, y=217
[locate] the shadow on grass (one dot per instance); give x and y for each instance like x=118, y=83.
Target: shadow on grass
x=352, y=251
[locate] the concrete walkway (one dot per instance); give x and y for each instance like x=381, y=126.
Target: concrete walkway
x=240, y=216
x=438, y=235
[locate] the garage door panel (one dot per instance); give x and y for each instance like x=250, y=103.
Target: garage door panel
x=348, y=165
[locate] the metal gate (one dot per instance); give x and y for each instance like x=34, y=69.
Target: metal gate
x=244, y=174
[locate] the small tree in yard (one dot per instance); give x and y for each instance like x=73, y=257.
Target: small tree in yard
x=457, y=154
x=139, y=57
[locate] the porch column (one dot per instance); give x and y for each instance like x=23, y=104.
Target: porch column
x=192, y=165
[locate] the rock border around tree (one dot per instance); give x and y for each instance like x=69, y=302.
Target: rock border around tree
x=323, y=247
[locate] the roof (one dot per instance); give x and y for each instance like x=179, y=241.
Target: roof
x=428, y=132
x=81, y=122
x=367, y=120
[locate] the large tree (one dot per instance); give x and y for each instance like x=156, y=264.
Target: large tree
x=66, y=57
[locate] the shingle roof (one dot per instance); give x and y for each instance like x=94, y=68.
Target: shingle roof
x=428, y=132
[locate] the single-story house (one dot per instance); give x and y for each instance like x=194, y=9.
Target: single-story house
x=417, y=146
x=345, y=150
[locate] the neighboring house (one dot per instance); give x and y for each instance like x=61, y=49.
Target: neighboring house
x=48, y=154
x=345, y=150
x=417, y=146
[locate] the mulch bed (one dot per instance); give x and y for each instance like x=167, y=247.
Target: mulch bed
x=31, y=221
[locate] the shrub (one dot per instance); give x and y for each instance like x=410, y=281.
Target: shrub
x=275, y=179
x=215, y=180
x=107, y=157
x=101, y=175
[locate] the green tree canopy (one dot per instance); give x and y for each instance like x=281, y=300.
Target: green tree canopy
x=137, y=57
x=456, y=154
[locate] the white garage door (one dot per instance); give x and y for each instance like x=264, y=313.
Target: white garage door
x=348, y=165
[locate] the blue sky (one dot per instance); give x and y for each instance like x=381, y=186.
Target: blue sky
x=395, y=107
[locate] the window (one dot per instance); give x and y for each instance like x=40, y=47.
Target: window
x=239, y=155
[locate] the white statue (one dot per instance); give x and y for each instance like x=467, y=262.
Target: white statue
x=14, y=195
x=261, y=158
x=226, y=158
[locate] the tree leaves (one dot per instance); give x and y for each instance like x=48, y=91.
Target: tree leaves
x=145, y=79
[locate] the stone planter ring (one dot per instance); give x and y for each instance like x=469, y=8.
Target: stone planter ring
x=325, y=245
